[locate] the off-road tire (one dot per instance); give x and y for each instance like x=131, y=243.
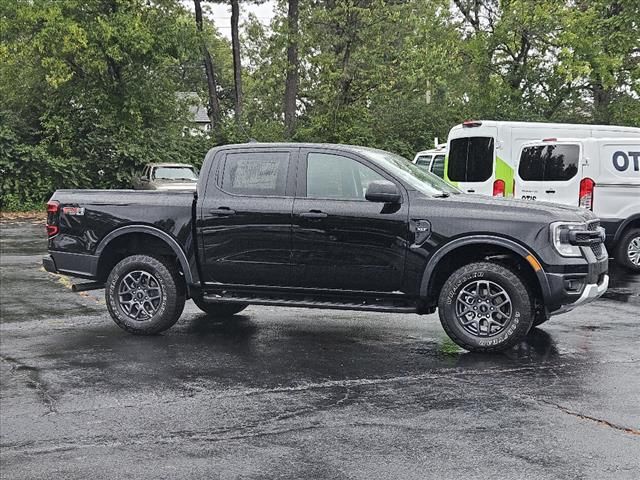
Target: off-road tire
x=172, y=289
x=219, y=310
x=522, y=307
x=621, y=254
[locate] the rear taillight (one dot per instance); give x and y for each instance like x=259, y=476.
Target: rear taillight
x=52, y=218
x=498, y=188
x=585, y=199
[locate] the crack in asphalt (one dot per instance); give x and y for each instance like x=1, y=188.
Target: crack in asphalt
x=600, y=421
x=32, y=375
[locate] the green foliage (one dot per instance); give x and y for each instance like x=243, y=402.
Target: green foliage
x=89, y=86
x=93, y=86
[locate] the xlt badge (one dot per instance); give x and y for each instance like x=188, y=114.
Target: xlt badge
x=422, y=231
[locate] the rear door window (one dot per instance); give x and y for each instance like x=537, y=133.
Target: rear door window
x=552, y=163
x=437, y=167
x=471, y=159
x=256, y=173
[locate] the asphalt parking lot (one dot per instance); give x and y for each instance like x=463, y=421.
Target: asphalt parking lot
x=292, y=393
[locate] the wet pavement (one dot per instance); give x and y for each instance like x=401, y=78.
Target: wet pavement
x=293, y=393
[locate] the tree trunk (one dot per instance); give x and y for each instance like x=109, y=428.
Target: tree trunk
x=214, y=105
x=601, y=104
x=291, y=82
x=237, y=66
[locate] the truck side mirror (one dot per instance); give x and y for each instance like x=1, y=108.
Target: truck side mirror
x=383, y=191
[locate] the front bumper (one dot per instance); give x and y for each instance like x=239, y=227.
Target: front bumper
x=591, y=292
x=572, y=286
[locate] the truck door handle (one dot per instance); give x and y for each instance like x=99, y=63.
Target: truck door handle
x=314, y=214
x=551, y=191
x=222, y=212
x=471, y=191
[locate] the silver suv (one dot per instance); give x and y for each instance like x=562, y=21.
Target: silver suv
x=167, y=176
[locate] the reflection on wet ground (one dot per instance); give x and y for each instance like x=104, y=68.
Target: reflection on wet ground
x=293, y=393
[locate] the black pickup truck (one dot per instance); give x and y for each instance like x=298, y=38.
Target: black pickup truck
x=328, y=226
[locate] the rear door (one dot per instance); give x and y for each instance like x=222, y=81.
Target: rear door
x=471, y=162
x=551, y=172
x=245, y=217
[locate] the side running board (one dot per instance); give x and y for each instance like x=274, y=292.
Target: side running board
x=362, y=304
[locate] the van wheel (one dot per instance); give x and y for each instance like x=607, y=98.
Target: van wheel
x=145, y=295
x=628, y=251
x=486, y=307
x=219, y=309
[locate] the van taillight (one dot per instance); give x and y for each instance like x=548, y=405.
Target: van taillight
x=585, y=199
x=498, y=188
x=52, y=218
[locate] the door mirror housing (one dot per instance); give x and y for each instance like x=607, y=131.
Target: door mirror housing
x=383, y=191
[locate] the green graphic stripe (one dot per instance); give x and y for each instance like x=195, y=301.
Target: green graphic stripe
x=504, y=172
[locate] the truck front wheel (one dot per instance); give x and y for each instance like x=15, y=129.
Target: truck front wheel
x=219, y=309
x=486, y=307
x=145, y=295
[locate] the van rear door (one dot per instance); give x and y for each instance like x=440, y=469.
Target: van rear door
x=470, y=163
x=550, y=171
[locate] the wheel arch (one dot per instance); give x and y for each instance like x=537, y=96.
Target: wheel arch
x=632, y=222
x=501, y=245
x=156, y=233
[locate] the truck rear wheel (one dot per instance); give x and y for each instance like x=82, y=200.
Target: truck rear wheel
x=485, y=307
x=219, y=309
x=628, y=251
x=145, y=295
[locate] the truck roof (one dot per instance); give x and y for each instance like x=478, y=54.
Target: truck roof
x=331, y=146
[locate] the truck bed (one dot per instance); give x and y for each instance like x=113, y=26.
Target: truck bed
x=87, y=217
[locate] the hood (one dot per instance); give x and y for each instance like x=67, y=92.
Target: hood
x=520, y=209
x=177, y=186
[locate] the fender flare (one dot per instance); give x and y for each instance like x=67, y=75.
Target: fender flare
x=156, y=232
x=623, y=225
x=480, y=239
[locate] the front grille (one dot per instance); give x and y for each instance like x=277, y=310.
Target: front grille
x=597, y=248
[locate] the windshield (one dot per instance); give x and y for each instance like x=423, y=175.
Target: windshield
x=423, y=181
x=175, y=173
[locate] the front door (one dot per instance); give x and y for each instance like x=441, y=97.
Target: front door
x=245, y=218
x=341, y=240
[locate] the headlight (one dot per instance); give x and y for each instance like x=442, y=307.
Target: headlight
x=560, y=238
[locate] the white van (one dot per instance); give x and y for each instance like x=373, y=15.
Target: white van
x=432, y=160
x=482, y=155
x=601, y=174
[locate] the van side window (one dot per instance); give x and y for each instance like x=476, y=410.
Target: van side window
x=553, y=163
x=423, y=160
x=256, y=173
x=437, y=167
x=470, y=159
